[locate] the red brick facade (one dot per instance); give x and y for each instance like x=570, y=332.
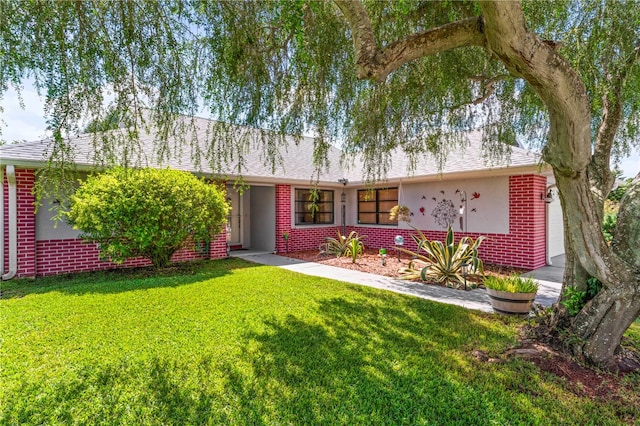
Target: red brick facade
x=26, y=223
x=524, y=245
x=50, y=257
x=74, y=255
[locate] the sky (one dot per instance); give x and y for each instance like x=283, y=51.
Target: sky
x=28, y=124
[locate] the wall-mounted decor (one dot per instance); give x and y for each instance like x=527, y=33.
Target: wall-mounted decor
x=444, y=213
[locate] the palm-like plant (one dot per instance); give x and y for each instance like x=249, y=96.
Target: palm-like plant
x=444, y=262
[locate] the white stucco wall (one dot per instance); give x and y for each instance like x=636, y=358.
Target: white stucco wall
x=486, y=213
x=555, y=232
x=47, y=228
x=486, y=209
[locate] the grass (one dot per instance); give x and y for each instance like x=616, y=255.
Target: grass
x=511, y=284
x=229, y=342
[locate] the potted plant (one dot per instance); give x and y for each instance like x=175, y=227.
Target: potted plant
x=400, y=213
x=511, y=295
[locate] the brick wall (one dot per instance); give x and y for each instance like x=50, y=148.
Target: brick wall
x=5, y=225
x=49, y=257
x=74, y=255
x=524, y=246
x=218, y=247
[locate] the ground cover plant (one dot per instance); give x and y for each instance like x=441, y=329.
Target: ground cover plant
x=229, y=342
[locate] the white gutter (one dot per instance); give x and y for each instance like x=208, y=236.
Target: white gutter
x=13, y=225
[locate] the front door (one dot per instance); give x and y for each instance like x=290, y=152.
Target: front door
x=234, y=220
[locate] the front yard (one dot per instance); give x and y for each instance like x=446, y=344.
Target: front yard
x=229, y=342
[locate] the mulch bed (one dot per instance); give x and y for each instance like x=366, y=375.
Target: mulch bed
x=371, y=262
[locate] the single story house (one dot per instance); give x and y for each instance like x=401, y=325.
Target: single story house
x=510, y=203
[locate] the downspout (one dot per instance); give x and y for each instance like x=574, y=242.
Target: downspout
x=13, y=225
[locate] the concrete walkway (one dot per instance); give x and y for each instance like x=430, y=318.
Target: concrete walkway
x=548, y=291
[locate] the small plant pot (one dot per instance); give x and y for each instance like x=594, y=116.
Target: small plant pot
x=511, y=303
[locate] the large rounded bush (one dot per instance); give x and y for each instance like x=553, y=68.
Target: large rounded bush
x=146, y=212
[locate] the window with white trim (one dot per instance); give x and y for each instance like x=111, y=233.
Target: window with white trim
x=374, y=206
x=314, y=207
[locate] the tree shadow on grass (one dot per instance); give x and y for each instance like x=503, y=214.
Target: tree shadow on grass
x=122, y=280
x=372, y=364
x=364, y=358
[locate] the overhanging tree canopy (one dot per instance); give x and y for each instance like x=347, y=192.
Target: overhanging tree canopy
x=375, y=76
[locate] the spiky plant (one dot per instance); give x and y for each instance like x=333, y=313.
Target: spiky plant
x=444, y=262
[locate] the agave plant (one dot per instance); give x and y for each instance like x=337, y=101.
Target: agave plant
x=354, y=249
x=346, y=245
x=444, y=262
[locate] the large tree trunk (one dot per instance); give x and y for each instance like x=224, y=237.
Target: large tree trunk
x=596, y=332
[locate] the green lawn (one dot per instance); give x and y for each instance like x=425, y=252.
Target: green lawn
x=229, y=342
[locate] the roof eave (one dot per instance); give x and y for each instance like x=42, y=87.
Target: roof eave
x=471, y=174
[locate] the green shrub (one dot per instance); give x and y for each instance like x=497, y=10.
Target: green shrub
x=444, y=262
x=609, y=226
x=346, y=245
x=593, y=287
x=574, y=299
x=512, y=284
x=621, y=190
x=146, y=212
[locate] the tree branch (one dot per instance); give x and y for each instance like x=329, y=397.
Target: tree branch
x=373, y=63
x=489, y=86
x=553, y=79
x=609, y=124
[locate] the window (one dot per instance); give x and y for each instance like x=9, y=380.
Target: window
x=375, y=205
x=305, y=207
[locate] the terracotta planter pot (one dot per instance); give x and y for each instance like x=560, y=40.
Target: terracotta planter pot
x=511, y=303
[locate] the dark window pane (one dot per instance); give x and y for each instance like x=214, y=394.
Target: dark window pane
x=374, y=206
x=305, y=214
x=386, y=206
x=369, y=218
x=367, y=207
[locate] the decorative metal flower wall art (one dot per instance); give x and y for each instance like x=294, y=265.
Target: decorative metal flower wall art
x=445, y=213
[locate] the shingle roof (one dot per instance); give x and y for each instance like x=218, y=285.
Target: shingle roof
x=297, y=164
x=469, y=158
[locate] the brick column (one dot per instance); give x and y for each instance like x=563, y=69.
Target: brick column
x=283, y=216
x=25, y=180
x=218, y=246
x=527, y=222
